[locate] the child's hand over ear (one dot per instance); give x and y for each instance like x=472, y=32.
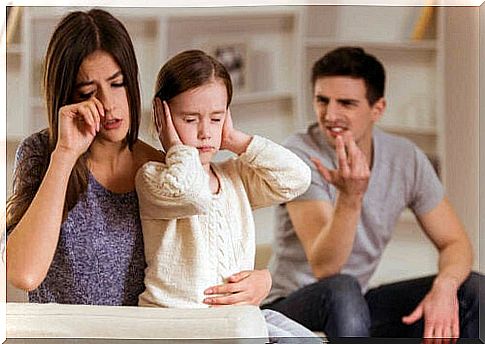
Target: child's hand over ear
x=232, y=139
x=167, y=133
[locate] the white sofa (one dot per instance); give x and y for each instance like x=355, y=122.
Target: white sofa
x=236, y=324
x=55, y=321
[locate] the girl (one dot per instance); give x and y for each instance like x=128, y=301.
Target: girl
x=197, y=215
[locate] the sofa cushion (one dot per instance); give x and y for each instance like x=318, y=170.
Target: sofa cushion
x=28, y=320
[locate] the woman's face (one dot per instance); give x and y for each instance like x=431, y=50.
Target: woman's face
x=100, y=76
x=198, y=115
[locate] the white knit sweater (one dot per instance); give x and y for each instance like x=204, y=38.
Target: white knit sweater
x=194, y=239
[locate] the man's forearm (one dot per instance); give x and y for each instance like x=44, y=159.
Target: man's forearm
x=335, y=241
x=455, y=263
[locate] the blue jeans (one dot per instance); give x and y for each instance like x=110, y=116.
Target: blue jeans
x=336, y=306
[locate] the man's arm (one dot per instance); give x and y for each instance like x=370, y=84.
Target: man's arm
x=327, y=233
x=447, y=233
x=440, y=305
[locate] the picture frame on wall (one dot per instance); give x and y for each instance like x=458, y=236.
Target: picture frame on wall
x=234, y=55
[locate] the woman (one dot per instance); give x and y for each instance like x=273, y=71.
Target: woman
x=74, y=233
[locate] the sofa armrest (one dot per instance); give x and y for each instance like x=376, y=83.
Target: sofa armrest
x=28, y=320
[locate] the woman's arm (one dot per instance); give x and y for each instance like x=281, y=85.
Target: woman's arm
x=32, y=243
x=243, y=288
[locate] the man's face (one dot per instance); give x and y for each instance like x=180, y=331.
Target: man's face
x=340, y=105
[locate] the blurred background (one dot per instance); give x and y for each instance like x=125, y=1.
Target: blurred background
x=430, y=55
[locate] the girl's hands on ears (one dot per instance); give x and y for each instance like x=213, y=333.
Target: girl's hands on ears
x=167, y=133
x=232, y=139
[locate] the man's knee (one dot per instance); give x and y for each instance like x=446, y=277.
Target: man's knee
x=347, y=305
x=471, y=296
x=342, y=290
x=471, y=286
x=472, y=291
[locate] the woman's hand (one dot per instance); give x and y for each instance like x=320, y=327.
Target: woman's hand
x=167, y=133
x=78, y=125
x=232, y=139
x=243, y=288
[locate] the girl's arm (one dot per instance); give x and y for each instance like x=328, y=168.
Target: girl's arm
x=32, y=243
x=270, y=173
x=177, y=188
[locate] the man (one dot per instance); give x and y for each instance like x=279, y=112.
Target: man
x=329, y=240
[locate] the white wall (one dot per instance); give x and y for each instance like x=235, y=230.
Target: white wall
x=461, y=99
x=482, y=160
x=482, y=145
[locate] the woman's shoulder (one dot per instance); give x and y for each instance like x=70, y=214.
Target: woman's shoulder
x=36, y=144
x=36, y=139
x=144, y=152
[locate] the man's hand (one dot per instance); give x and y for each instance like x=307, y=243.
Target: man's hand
x=439, y=309
x=242, y=288
x=352, y=175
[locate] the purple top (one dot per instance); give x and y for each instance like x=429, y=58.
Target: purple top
x=99, y=259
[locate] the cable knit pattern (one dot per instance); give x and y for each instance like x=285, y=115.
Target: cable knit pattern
x=179, y=186
x=281, y=175
x=193, y=239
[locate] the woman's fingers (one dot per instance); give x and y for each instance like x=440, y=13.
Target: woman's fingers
x=89, y=113
x=230, y=299
x=238, y=276
x=100, y=108
x=224, y=289
x=93, y=109
x=85, y=118
x=247, y=287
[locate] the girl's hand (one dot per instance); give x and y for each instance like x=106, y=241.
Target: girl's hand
x=78, y=125
x=244, y=288
x=167, y=134
x=232, y=139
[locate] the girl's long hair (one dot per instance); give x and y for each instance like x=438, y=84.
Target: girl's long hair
x=190, y=69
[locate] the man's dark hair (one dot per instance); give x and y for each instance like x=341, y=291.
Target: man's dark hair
x=353, y=62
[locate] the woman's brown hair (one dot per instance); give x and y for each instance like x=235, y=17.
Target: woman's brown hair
x=190, y=69
x=78, y=35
